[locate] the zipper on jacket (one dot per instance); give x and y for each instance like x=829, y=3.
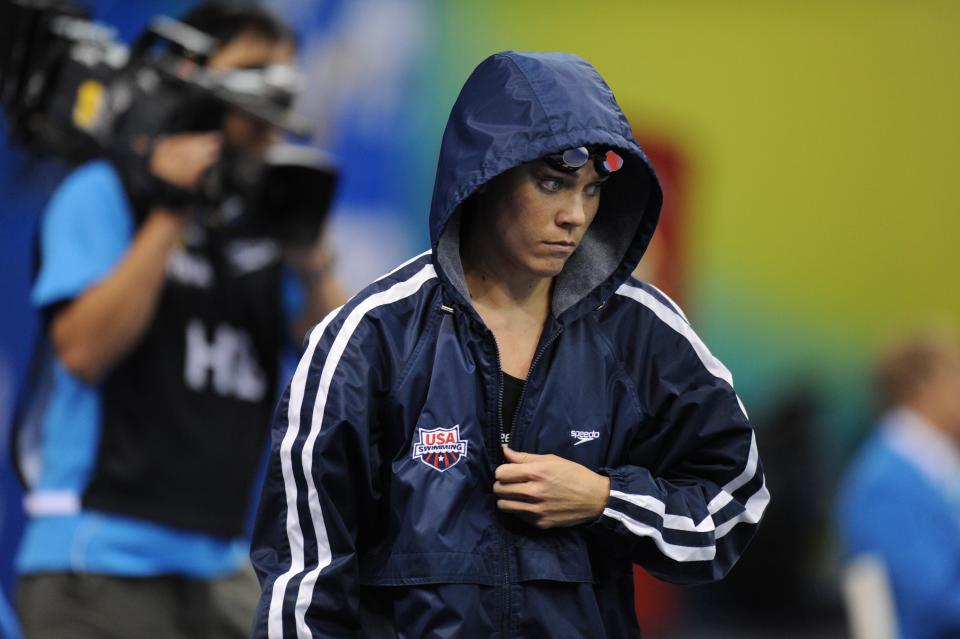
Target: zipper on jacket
x=505, y=535
x=523, y=393
x=504, y=439
x=500, y=433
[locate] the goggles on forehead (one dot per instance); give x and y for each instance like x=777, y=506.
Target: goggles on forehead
x=571, y=160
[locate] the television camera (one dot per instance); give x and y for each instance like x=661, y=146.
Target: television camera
x=70, y=89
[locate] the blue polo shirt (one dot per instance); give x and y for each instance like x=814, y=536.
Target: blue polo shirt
x=85, y=232
x=900, y=501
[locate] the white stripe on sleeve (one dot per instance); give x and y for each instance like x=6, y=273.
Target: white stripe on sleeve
x=673, y=522
x=407, y=263
x=673, y=551
x=393, y=294
x=294, y=532
x=754, y=508
x=675, y=319
x=674, y=305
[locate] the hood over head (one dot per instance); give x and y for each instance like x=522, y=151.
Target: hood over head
x=516, y=107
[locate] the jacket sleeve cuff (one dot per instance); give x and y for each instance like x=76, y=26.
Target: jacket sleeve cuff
x=618, y=482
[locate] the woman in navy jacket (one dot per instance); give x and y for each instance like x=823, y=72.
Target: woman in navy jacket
x=483, y=441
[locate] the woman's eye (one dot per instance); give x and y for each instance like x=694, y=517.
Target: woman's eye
x=551, y=185
x=594, y=189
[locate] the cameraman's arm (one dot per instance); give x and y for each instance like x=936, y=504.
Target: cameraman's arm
x=105, y=320
x=321, y=289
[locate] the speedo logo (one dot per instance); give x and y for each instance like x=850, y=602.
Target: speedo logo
x=584, y=436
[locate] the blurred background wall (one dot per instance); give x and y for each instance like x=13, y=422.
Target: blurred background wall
x=820, y=142
x=809, y=156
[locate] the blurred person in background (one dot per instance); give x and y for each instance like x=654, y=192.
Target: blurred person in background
x=483, y=441
x=900, y=500
x=167, y=340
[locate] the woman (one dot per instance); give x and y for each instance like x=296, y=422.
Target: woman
x=392, y=506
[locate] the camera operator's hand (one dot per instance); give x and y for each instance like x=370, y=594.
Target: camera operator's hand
x=314, y=267
x=310, y=263
x=181, y=159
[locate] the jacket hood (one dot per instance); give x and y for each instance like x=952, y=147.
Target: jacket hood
x=516, y=107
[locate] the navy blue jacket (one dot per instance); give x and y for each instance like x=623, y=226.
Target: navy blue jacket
x=378, y=516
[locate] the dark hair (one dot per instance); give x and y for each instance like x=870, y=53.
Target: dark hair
x=225, y=21
x=912, y=361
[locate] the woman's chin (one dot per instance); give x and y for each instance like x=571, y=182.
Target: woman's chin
x=547, y=267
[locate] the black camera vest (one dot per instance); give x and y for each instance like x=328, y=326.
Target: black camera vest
x=185, y=414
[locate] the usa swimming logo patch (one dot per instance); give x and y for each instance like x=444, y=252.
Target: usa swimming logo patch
x=440, y=448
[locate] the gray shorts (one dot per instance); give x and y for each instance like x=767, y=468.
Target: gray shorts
x=85, y=606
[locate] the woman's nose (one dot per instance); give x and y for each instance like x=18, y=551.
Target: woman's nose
x=573, y=212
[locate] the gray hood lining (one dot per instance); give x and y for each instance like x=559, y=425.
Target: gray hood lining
x=448, y=255
x=601, y=253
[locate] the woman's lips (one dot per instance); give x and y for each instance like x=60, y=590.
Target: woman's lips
x=562, y=247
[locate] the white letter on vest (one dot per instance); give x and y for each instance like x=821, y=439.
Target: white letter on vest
x=229, y=356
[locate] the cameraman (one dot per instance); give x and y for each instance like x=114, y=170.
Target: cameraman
x=166, y=336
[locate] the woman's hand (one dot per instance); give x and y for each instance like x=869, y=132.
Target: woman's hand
x=549, y=491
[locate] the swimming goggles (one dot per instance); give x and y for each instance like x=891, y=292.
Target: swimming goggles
x=573, y=159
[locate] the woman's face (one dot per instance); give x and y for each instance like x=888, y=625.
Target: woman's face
x=533, y=217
